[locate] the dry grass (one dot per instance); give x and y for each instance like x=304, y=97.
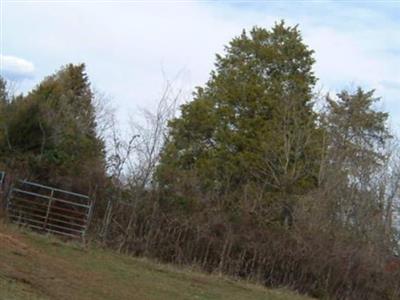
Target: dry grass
x=39, y=267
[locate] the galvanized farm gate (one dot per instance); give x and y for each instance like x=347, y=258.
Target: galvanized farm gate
x=49, y=209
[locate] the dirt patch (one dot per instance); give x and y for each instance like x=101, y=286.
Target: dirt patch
x=9, y=240
x=19, y=279
x=13, y=244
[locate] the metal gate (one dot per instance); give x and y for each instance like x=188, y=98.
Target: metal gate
x=49, y=209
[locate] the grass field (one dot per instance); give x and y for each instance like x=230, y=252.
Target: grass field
x=37, y=267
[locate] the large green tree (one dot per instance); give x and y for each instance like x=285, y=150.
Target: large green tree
x=52, y=130
x=253, y=120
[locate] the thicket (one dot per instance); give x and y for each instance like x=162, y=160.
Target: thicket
x=249, y=179
x=50, y=134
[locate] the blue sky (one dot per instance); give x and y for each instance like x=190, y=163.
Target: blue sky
x=130, y=47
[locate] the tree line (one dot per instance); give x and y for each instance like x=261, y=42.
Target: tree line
x=249, y=178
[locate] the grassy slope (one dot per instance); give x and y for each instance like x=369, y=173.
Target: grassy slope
x=38, y=267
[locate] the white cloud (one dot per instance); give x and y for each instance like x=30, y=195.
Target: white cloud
x=13, y=67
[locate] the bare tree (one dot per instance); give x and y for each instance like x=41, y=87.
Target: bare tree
x=105, y=114
x=133, y=157
x=152, y=133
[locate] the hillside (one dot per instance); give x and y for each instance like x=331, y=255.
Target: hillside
x=38, y=267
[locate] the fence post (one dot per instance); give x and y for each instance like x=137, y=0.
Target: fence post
x=107, y=220
x=3, y=196
x=48, y=209
x=8, y=199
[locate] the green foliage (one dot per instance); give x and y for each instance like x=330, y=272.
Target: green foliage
x=52, y=130
x=252, y=122
x=3, y=91
x=356, y=159
x=357, y=132
x=4, y=100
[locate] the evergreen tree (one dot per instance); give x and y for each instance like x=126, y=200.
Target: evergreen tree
x=252, y=122
x=52, y=130
x=357, y=133
x=357, y=136
x=4, y=101
x=4, y=96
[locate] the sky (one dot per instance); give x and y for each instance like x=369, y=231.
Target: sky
x=131, y=48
